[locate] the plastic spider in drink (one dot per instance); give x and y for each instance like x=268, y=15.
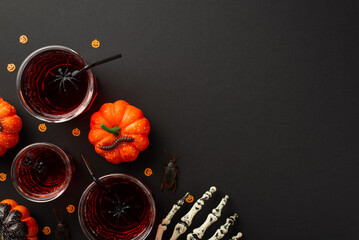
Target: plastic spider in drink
x=48, y=88
x=126, y=212
x=41, y=172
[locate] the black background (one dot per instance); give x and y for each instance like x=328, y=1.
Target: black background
x=259, y=97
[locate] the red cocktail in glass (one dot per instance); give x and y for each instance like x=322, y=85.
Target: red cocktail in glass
x=41, y=172
x=127, y=213
x=47, y=87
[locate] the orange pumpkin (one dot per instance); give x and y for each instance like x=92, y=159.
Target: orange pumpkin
x=15, y=222
x=119, y=131
x=10, y=125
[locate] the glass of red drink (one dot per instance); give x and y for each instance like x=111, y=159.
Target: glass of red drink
x=41, y=172
x=46, y=86
x=127, y=213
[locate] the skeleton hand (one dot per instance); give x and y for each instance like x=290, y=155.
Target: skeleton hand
x=186, y=220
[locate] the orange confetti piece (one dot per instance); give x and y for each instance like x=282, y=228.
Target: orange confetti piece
x=189, y=199
x=3, y=177
x=70, y=208
x=11, y=67
x=148, y=172
x=23, y=39
x=95, y=43
x=42, y=127
x=76, y=132
x=46, y=230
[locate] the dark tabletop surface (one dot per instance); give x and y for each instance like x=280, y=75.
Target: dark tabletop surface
x=259, y=97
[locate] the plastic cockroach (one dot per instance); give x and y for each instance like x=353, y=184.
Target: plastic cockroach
x=170, y=174
x=61, y=231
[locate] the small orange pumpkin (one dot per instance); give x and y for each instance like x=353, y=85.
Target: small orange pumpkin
x=119, y=131
x=15, y=222
x=10, y=125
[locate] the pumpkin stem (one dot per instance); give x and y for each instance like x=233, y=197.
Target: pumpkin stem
x=115, y=130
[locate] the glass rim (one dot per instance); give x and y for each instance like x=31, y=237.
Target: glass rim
x=52, y=118
x=52, y=195
x=137, y=181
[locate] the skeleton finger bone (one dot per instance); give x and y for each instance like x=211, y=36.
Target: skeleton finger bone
x=238, y=236
x=211, y=218
x=167, y=220
x=219, y=234
x=181, y=227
